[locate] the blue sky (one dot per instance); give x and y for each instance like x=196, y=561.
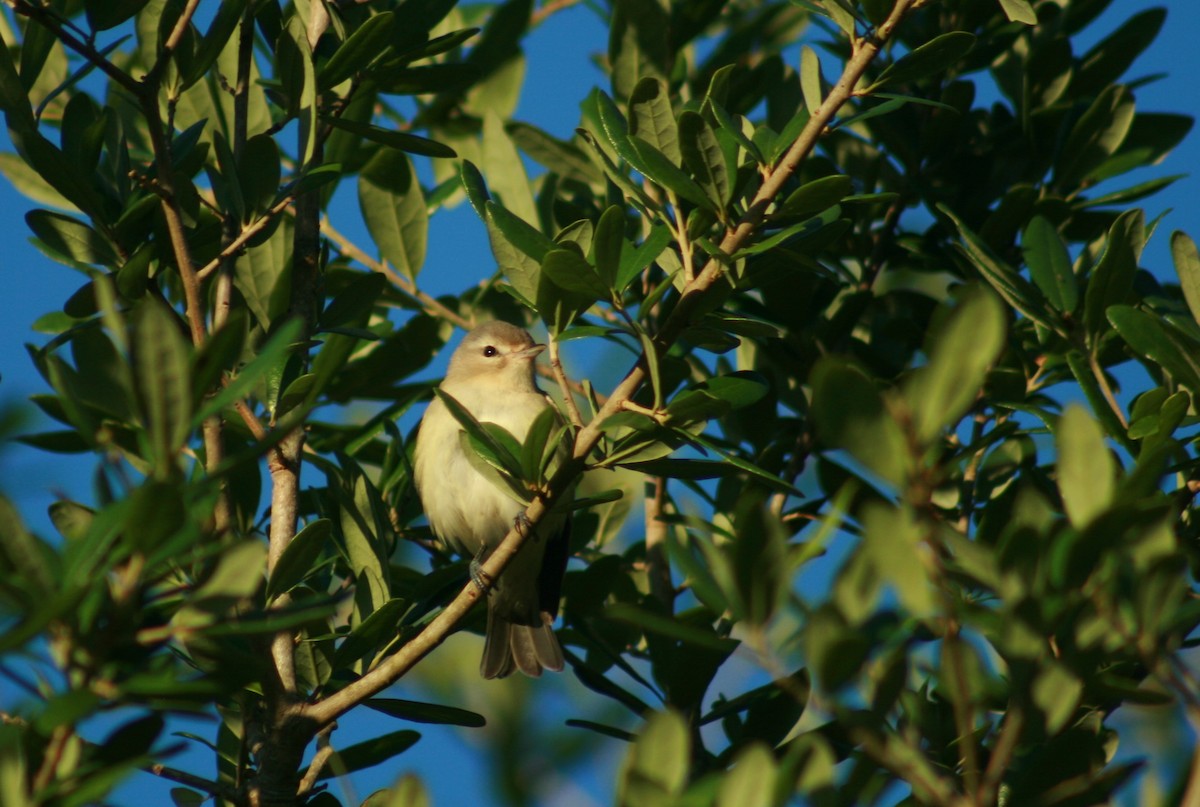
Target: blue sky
x=559, y=74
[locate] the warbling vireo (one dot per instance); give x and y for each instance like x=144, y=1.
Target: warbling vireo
x=491, y=375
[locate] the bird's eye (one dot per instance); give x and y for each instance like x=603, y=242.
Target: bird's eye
x=490, y=351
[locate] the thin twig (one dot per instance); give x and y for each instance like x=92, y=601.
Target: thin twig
x=658, y=567
x=198, y=782
x=428, y=303
x=1002, y=754
x=1106, y=389
x=249, y=231
x=46, y=18
x=548, y=8
x=322, y=755
x=564, y=385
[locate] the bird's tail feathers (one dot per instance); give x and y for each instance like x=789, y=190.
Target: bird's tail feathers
x=510, y=646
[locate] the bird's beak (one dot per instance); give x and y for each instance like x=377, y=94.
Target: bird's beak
x=530, y=352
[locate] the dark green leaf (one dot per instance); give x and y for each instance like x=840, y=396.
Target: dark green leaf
x=70, y=237
x=402, y=141
x=419, y=712
x=704, y=158
x=364, y=46
x=568, y=269
x=371, y=752
x=1111, y=281
x=298, y=558
x=1050, y=264
x=926, y=60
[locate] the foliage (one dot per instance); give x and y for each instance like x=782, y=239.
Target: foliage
x=888, y=316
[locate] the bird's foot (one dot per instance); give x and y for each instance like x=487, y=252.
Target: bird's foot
x=522, y=523
x=481, y=579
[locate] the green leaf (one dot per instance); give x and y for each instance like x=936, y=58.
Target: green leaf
x=364, y=46
x=71, y=519
x=1019, y=11
x=1016, y=290
x=238, y=573
x=1086, y=469
x=633, y=261
x=162, y=375
x=608, y=244
x=751, y=782
x=926, y=60
x=568, y=269
x=370, y=753
x=373, y=632
x=105, y=14
x=402, y=141
x=652, y=119
x=298, y=558
x=817, y=196
x=1111, y=281
x=810, y=79
x=272, y=356
x=393, y=208
x=704, y=158
x=968, y=344
x=564, y=159
x=717, y=396
x=419, y=712
x=1187, y=266
x=1096, y=136
x=1056, y=692
x=669, y=627
x=657, y=764
x=495, y=449
x=295, y=64
x=505, y=171
x=1050, y=264
x=849, y=412
x=70, y=237
x=1151, y=338
x=656, y=167
x=220, y=32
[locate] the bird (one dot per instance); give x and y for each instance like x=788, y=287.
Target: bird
x=491, y=374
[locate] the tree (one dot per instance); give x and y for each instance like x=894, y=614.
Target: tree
x=867, y=314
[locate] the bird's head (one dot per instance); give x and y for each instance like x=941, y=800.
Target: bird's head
x=495, y=354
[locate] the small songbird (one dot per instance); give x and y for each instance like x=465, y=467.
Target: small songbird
x=492, y=375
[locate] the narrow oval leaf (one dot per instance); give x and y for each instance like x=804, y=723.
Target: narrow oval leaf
x=704, y=158
x=393, y=207
x=403, y=141
x=970, y=342
x=1187, y=266
x=162, y=375
x=371, y=752
x=419, y=712
x=1086, y=468
x=365, y=45
x=934, y=56
x=1050, y=264
x=298, y=558
x=652, y=119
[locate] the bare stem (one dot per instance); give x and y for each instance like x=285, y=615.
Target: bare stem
x=198, y=782
x=564, y=385
x=49, y=20
x=428, y=303
x=658, y=566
